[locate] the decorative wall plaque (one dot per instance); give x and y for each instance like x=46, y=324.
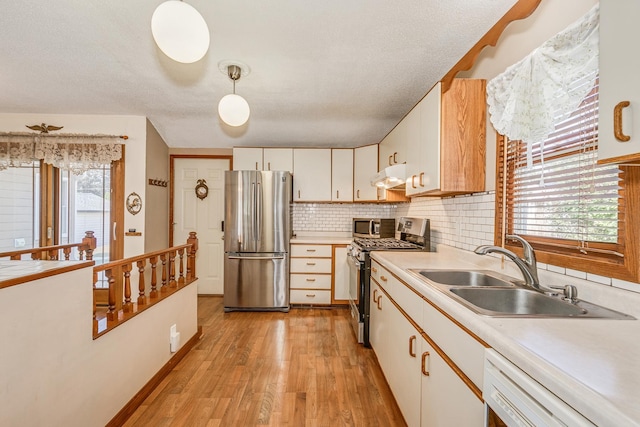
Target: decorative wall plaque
x=134, y=203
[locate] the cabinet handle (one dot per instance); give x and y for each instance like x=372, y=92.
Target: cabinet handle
x=375, y=270
x=390, y=160
x=311, y=280
x=424, y=363
x=395, y=159
x=311, y=250
x=412, y=351
x=379, y=302
x=337, y=194
x=311, y=263
x=298, y=194
x=269, y=166
x=375, y=300
x=256, y=165
x=421, y=179
x=358, y=194
x=311, y=295
x=617, y=121
x=413, y=181
x=383, y=278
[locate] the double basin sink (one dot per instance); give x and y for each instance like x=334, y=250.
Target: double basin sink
x=496, y=295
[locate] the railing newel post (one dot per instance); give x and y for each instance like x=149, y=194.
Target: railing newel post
x=191, y=256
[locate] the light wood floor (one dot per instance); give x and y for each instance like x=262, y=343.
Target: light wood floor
x=301, y=368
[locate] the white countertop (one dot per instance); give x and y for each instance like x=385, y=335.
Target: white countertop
x=592, y=364
x=322, y=238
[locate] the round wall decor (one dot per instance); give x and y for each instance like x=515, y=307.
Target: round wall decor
x=202, y=190
x=134, y=203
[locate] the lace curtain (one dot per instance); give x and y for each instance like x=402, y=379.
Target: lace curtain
x=74, y=152
x=525, y=98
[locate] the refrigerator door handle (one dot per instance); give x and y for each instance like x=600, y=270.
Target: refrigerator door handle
x=250, y=258
x=253, y=212
x=258, y=211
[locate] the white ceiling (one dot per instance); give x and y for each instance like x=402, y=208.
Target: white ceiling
x=323, y=73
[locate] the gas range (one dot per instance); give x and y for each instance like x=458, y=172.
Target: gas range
x=415, y=235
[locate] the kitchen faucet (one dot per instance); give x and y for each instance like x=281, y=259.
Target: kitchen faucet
x=527, y=264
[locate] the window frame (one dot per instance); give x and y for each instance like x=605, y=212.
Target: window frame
x=626, y=267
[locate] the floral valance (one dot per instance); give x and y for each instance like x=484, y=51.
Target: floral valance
x=525, y=98
x=74, y=152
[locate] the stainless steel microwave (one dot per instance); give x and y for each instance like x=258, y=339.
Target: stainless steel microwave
x=374, y=228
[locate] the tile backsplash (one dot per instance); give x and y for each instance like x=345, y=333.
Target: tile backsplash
x=335, y=217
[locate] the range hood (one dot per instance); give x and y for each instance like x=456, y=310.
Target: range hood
x=390, y=177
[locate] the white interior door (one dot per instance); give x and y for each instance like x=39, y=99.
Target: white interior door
x=202, y=216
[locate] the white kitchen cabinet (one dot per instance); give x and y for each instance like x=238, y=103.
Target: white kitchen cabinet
x=269, y=159
x=365, y=166
x=340, y=275
x=393, y=148
x=446, y=139
x=342, y=175
x=247, y=159
x=429, y=389
x=310, y=274
x=311, y=174
x=445, y=399
x=619, y=82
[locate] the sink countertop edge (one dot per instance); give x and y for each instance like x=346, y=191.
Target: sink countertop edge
x=522, y=345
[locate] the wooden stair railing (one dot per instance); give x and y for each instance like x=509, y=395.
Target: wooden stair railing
x=121, y=307
x=53, y=253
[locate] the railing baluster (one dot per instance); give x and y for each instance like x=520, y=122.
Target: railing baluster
x=181, y=276
x=154, y=292
x=111, y=313
x=141, y=284
x=127, y=307
x=67, y=253
x=163, y=258
x=172, y=269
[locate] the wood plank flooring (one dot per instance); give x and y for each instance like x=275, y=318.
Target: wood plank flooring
x=301, y=368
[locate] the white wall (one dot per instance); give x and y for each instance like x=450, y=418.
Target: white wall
x=135, y=127
x=53, y=372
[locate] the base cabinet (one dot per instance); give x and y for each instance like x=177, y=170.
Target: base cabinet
x=427, y=389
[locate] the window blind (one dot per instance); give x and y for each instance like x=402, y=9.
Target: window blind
x=556, y=194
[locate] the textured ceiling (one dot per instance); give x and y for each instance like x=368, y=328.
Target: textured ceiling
x=323, y=73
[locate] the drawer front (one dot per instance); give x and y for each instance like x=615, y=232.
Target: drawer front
x=310, y=265
x=315, y=251
x=462, y=348
x=299, y=296
x=310, y=281
x=407, y=299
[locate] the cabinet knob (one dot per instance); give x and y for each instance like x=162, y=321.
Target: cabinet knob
x=383, y=278
x=425, y=372
x=617, y=121
x=412, y=350
x=375, y=270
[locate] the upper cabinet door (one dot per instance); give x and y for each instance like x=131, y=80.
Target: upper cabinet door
x=365, y=166
x=278, y=159
x=342, y=175
x=311, y=174
x=619, y=123
x=247, y=159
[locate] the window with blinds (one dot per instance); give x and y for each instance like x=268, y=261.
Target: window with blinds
x=555, y=194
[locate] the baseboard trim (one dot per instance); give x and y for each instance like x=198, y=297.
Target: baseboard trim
x=148, y=388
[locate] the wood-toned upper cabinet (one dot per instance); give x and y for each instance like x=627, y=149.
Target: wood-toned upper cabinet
x=247, y=159
x=311, y=174
x=619, y=123
x=449, y=157
x=278, y=159
x=342, y=175
x=365, y=166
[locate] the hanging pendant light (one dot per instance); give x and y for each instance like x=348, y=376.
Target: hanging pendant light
x=180, y=31
x=234, y=109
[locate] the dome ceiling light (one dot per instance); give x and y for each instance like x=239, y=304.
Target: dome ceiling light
x=180, y=31
x=234, y=109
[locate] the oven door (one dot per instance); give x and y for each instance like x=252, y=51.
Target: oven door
x=357, y=318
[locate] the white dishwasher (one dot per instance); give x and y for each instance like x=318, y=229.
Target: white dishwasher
x=519, y=400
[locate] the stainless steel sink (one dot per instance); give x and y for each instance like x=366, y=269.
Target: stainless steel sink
x=492, y=294
x=516, y=301
x=465, y=277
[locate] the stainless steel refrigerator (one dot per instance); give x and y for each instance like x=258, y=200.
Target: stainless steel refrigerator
x=256, y=240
